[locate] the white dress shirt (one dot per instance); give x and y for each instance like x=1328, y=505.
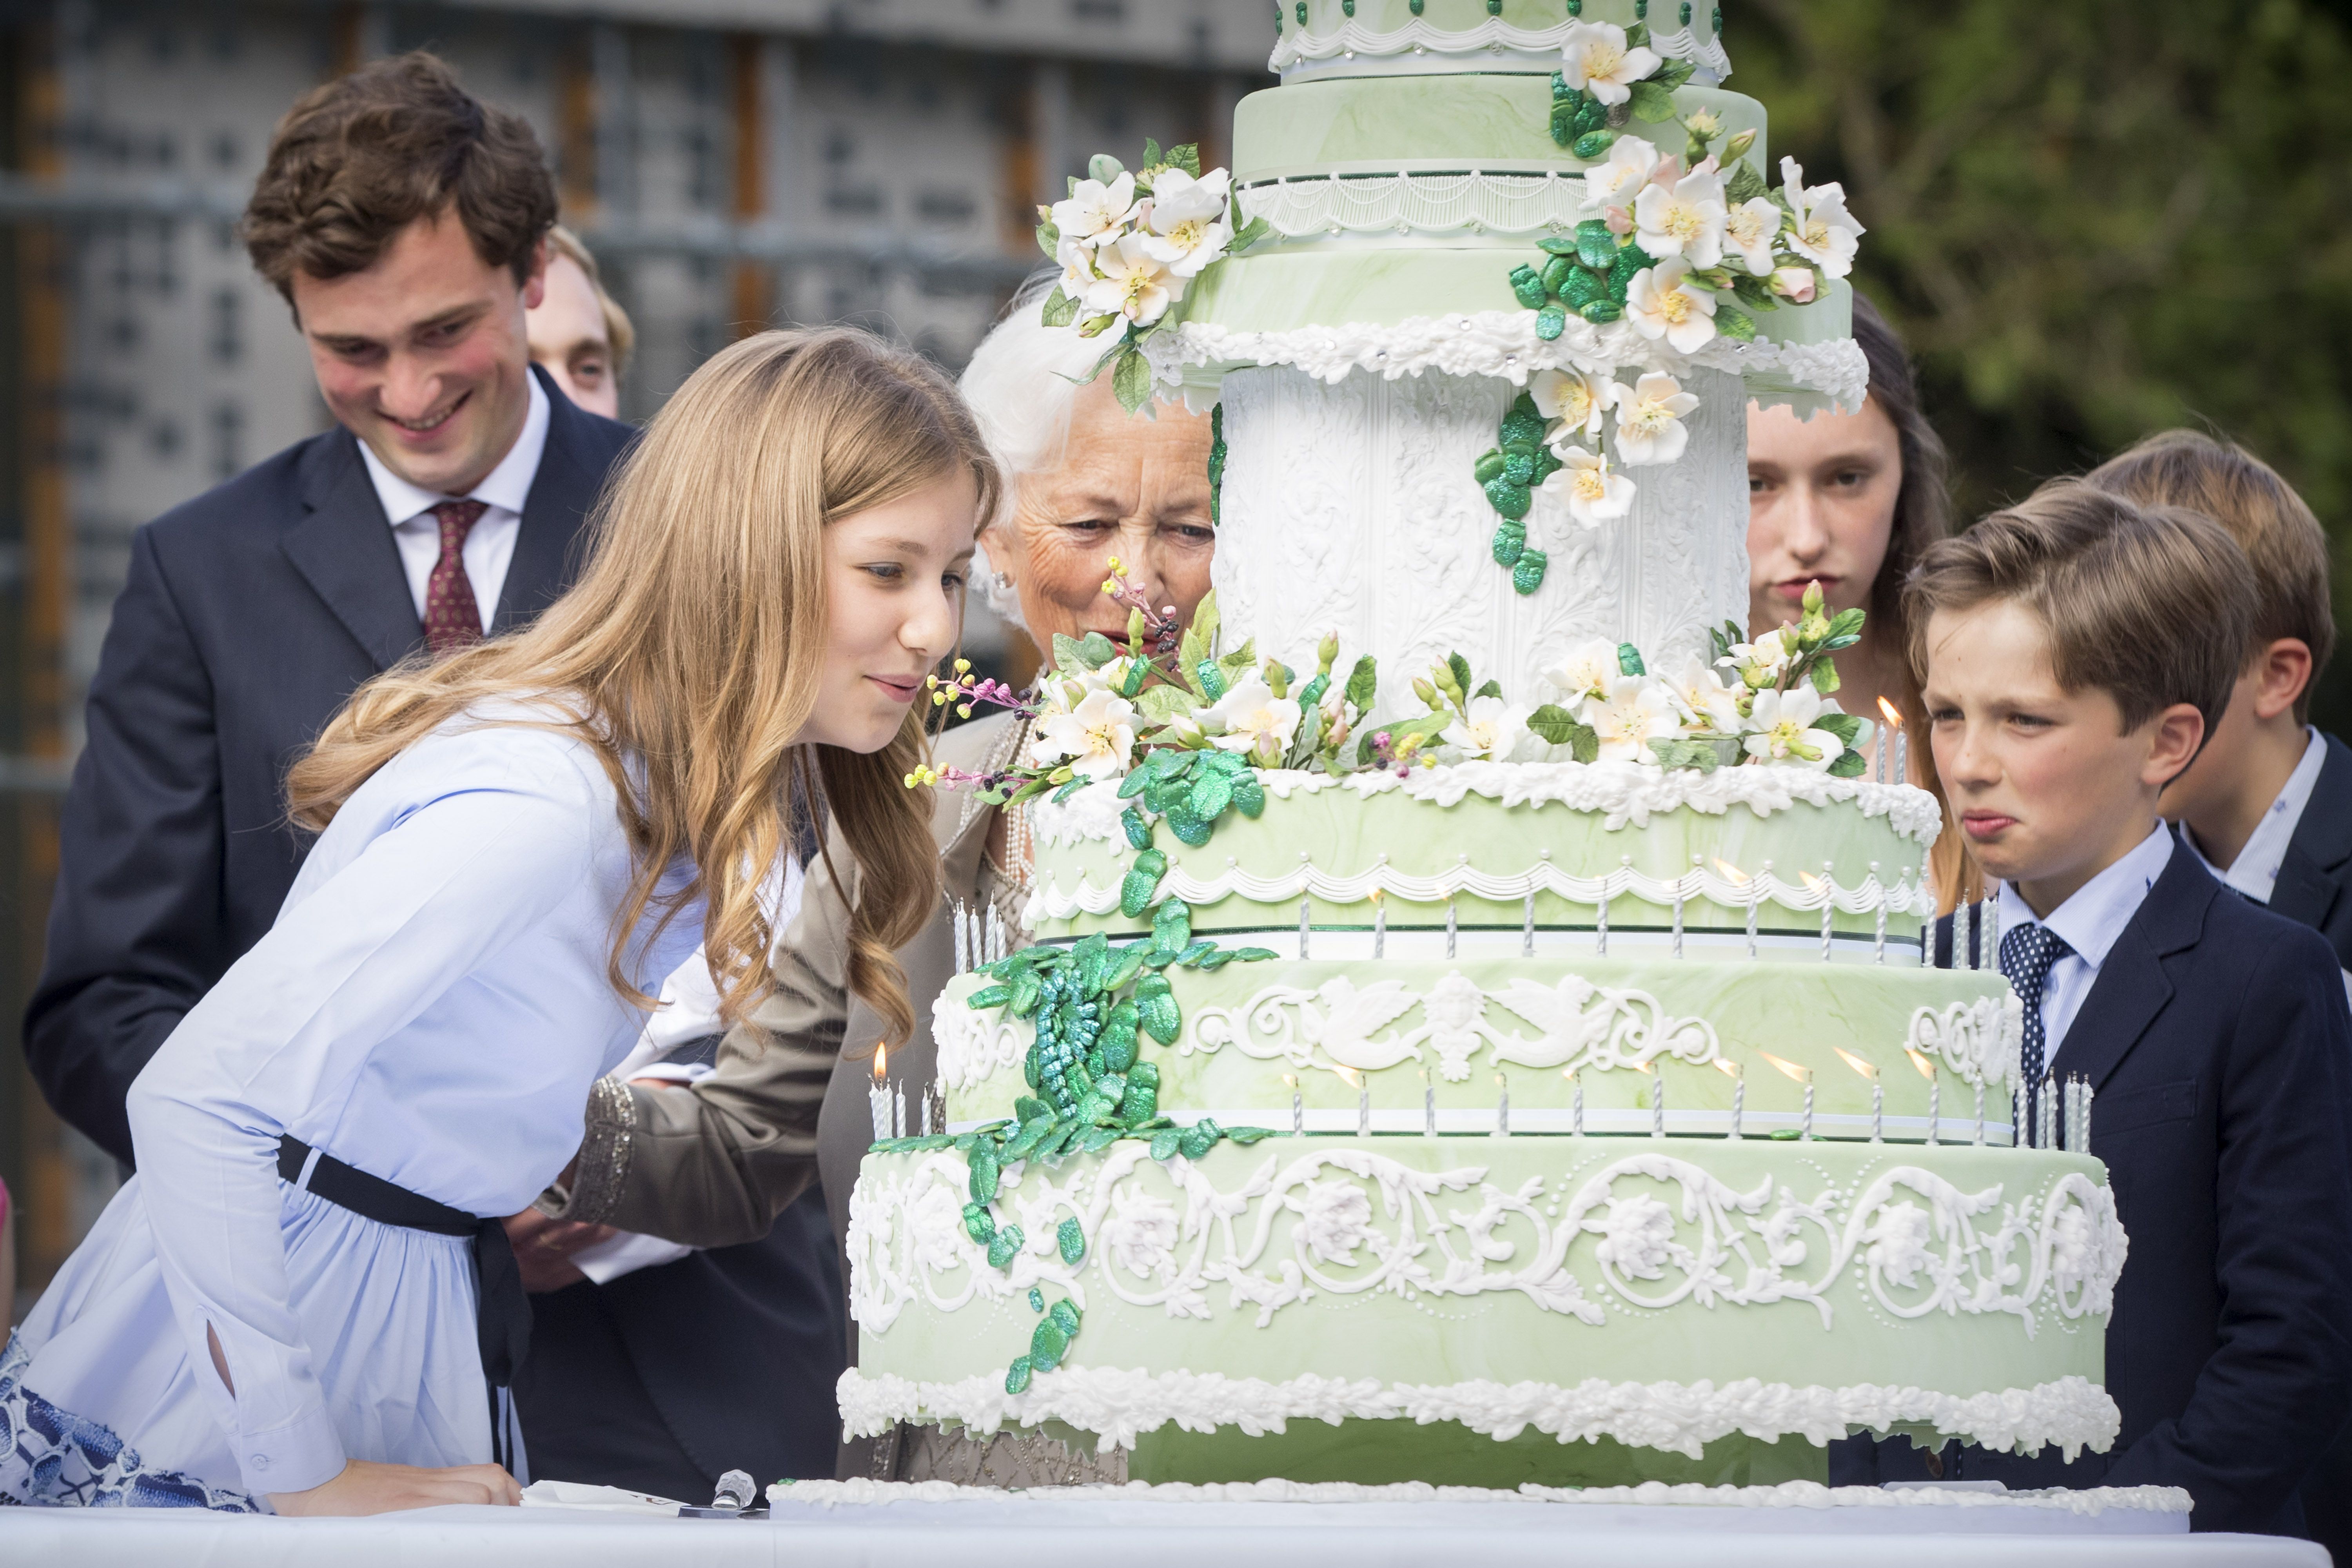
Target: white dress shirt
x=2089, y=922
x=2255, y=871
x=489, y=547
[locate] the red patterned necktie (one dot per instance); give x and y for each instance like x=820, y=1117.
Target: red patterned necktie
x=452, y=618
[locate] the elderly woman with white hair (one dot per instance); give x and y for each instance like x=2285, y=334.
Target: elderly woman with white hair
x=697, y=1163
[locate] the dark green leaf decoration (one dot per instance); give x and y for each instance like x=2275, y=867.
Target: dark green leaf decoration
x=1130, y=380
x=1363, y=683
x=1629, y=660
x=1005, y=1247
x=1849, y=765
x=1556, y=726
x=1525, y=284
x=1594, y=144
x=1523, y=423
x=983, y=1173
x=1527, y=575
x=1137, y=831
x=1216, y=462
x=1600, y=311
x=1070, y=1239
x=1060, y=308
x=1046, y=1345
x=1653, y=102
x=1016, y=1378
x=1743, y=184
x=1512, y=500
x=1065, y=1312
x=1550, y=321
x=1164, y=1143
x=1142, y=879
x=1699, y=754
x=1735, y=323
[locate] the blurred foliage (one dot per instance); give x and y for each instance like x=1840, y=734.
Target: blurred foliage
x=2092, y=219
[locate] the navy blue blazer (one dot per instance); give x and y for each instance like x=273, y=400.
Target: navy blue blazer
x=249, y=614
x=2315, y=877
x=2219, y=1044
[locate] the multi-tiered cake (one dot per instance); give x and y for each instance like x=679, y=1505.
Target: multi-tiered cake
x=1472, y=1026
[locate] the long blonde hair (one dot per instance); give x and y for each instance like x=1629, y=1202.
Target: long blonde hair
x=694, y=643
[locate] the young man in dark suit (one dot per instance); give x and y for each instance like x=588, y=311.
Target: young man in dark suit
x=2076, y=650
x=2268, y=807
x=405, y=224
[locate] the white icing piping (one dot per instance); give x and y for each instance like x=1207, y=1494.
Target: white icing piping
x=1547, y=203
x=1503, y=343
x=1049, y=903
x=1712, y=1244
x=1621, y=793
x=2089, y=1502
x=1118, y=1406
x=1298, y=45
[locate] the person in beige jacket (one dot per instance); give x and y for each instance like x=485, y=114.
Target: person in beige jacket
x=711, y=1163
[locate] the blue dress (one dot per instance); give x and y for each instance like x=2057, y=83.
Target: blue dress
x=431, y=1007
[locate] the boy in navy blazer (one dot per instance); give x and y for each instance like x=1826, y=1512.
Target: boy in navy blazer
x=2074, y=653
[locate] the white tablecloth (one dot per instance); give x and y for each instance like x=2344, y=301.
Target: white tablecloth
x=1023, y=1533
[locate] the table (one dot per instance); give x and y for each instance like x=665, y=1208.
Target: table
x=1028, y=1532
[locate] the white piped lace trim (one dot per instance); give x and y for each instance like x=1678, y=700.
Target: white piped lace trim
x=1623, y=793
x=1547, y=203
x=1503, y=344
x=1119, y=1406
x=2088, y=1503
x=1353, y=37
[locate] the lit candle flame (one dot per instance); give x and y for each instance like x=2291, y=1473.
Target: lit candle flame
x=1731, y=872
x=1791, y=1068
x=881, y=1063
x=1351, y=1077
x=1893, y=716
x=1866, y=1069
x=1921, y=1060
x=1812, y=881
x=1290, y=1080
x=1728, y=1068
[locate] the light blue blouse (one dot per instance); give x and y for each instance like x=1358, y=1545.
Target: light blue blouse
x=431, y=1007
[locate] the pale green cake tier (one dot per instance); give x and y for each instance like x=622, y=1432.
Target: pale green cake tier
x=1323, y=38
x=1427, y=1037
x=1377, y=125
x=1491, y=1311
x=1477, y=840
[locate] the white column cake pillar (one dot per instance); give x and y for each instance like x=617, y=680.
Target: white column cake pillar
x=1352, y=507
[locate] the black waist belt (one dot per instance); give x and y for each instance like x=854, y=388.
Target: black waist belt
x=502, y=1324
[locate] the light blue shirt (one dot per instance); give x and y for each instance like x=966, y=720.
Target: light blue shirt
x=2255, y=871
x=2089, y=922
x=431, y=1007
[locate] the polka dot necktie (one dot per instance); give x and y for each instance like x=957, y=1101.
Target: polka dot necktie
x=453, y=619
x=2027, y=951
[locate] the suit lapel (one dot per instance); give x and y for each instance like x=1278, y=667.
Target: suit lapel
x=569, y=475
x=2309, y=873
x=343, y=547
x=2133, y=986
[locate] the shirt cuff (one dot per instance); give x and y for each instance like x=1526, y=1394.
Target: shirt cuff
x=607, y=1144
x=302, y=1454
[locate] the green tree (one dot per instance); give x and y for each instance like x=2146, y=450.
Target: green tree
x=2092, y=219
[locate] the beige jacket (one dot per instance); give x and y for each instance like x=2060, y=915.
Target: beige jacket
x=712, y=1165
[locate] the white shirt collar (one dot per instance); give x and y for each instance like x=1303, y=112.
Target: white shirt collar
x=2092, y=920
x=2255, y=871
x=506, y=487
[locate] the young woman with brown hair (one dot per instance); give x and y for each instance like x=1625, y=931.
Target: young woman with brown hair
x=518, y=845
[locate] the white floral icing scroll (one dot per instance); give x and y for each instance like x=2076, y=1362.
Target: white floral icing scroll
x=1339, y=1025
x=1976, y=1040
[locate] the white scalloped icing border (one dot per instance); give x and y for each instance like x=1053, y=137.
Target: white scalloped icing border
x=1295, y=46
x=1118, y=1405
x=1622, y=794
x=2088, y=1503
x=1503, y=344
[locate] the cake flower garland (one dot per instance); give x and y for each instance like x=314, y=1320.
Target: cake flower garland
x=1683, y=247
x=1130, y=243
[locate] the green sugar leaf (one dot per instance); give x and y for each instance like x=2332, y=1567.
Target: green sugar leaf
x=1742, y=183
x=1510, y=540
x=1488, y=468
x=1065, y=1312
x=1529, y=574
x=983, y=1173
x=1016, y=1378
x=1249, y=797
x=1070, y=1238
x=1363, y=683
x=1735, y=323
x=1554, y=276
x=1512, y=500
x=1849, y=765
x=989, y=996
x=1594, y=145
x=1130, y=380
x=1172, y=925
x=1556, y=726
x=1652, y=102
x=1046, y=1345
x=1136, y=888
x=1188, y=828
x=978, y=1224
x=1060, y=308
x=1005, y=1247
x=1246, y=1136
x=1526, y=287
x=1137, y=831
x=1523, y=423
x=1582, y=287
x=1550, y=321
x=1595, y=245
x=1164, y=1143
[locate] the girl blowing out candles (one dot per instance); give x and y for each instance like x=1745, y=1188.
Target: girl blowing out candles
x=296, y=1304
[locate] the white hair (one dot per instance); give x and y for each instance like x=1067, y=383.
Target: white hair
x=1023, y=381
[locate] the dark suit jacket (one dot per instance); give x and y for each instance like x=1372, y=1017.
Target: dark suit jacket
x=2219, y=1045
x=249, y=614
x=2314, y=878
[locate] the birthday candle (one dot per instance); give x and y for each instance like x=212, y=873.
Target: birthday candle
x=1878, y=952
x=1428, y=1106
x=1600, y=925
x=1657, y=1100
x=1379, y=924
x=1306, y=907
x=1503, y=1107
x=1809, y=1105
x=1738, y=1100
x=1450, y=927
x=1981, y=1119
x=1298, y=1106
x=1527, y=927
x=1679, y=917
x=1576, y=1103
x=899, y=1110
x=1363, y=1107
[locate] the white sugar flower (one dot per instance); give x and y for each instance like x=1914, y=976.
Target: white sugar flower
x=1134, y=283
x=1599, y=62
x=1650, y=427
x=1594, y=494
x=1250, y=719
x=1685, y=218
x=1782, y=730
x=1187, y=220
x=1097, y=738
x=1706, y=703
x=1819, y=229
x=1638, y=1237
x=1616, y=182
x=1096, y=212
x=1752, y=229
x=1077, y=259
x=1491, y=733
x=1335, y=1219
x=1763, y=662
x=1574, y=400
x=1659, y=306
x=1627, y=715
x=1587, y=670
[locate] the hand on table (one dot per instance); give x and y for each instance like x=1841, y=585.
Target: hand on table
x=543, y=1248
x=365, y=1487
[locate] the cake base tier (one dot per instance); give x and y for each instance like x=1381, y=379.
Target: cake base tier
x=1663, y=1295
